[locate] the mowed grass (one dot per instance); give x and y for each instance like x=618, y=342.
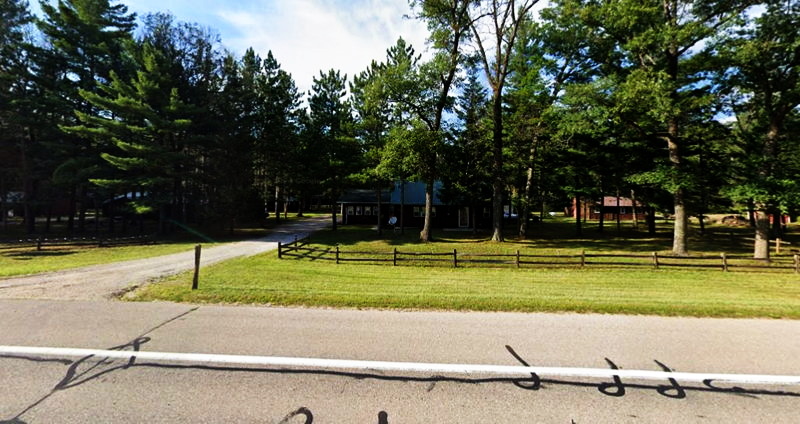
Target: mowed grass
x=16, y=261
x=265, y=279
x=23, y=261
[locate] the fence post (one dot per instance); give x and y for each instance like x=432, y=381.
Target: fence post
x=655, y=260
x=280, y=245
x=394, y=257
x=38, y=244
x=295, y=240
x=797, y=264
x=777, y=246
x=724, y=262
x=337, y=254
x=517, y=258
x=455, y=259
x=583, y=258
x=196, y=278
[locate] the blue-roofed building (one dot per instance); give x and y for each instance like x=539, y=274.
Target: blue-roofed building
x=361, y=207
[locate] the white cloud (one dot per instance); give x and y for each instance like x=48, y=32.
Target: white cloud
x=307, y=36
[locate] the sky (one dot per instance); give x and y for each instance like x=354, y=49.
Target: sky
x=305, y=36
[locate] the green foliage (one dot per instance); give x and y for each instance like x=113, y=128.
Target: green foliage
x=330, y=133
x=141, y=129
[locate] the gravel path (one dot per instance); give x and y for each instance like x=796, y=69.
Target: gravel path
x=107, y=281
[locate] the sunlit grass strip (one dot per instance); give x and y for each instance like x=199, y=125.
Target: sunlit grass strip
x=27, y=260
x=264, y=279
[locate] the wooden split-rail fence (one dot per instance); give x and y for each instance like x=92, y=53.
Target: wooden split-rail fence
x=40, y=243
x=302, y=249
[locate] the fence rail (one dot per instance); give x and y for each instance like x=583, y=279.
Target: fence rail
x=301, y=249
x=40, y=243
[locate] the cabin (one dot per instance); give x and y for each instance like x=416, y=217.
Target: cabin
x=405, y=201
x=611, y=206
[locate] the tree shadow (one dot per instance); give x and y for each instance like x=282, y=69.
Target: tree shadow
x=29, y=255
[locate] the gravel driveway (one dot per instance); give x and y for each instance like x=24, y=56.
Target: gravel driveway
x=107, y=281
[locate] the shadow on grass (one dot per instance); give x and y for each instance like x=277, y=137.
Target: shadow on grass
x=26, y=256
x=558, y=234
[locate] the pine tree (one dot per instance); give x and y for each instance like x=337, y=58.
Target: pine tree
x=332, y=131
x=85, y=41
x=16, y=142
x=141, y=127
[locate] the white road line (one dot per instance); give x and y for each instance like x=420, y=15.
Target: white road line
x=343, y=364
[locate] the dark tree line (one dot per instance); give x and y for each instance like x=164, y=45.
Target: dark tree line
x=687, y=106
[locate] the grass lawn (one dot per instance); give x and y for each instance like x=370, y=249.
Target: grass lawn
x=265, y=279
x=27, y=260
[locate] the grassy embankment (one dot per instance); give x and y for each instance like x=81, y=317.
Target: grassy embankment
x=265, y=279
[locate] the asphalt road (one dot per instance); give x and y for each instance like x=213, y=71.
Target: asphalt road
x=39, y=389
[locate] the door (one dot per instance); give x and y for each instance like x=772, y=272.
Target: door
x=463, y=217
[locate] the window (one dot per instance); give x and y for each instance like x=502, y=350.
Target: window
x=419, y=211
x=358, y=210
x=367, y=210
x=623, y=211
x=349, y=210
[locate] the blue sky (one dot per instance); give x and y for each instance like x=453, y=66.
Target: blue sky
x=305, y=36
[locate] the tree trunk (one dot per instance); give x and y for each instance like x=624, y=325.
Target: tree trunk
x=497, y=163
x=278, y=203
x=702, y=219
x=602, y=220
x=28, y=186
x=770, y=153
x=29, y=211
x=71, y=217
x=49, y=218
x=578, y=227
x=380, y=219
x=761, y=246
x=635, y=213
x=619, y=212
x=651, y=220
x=777, y=224
x=751, y=212
x=82, y=210
x=526, y=199
x=425, y=234
x=333, y=215
x=681, y=223
x=473, y=217
x=402, y=206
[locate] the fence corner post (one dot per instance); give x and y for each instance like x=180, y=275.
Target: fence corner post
x=655, y=260
x=196, y=278
x=337, y=254
x=724, y=262
x=583, y=258
x=455, y=258
x=394, y=257
x=517, y=260
x=280, y=245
